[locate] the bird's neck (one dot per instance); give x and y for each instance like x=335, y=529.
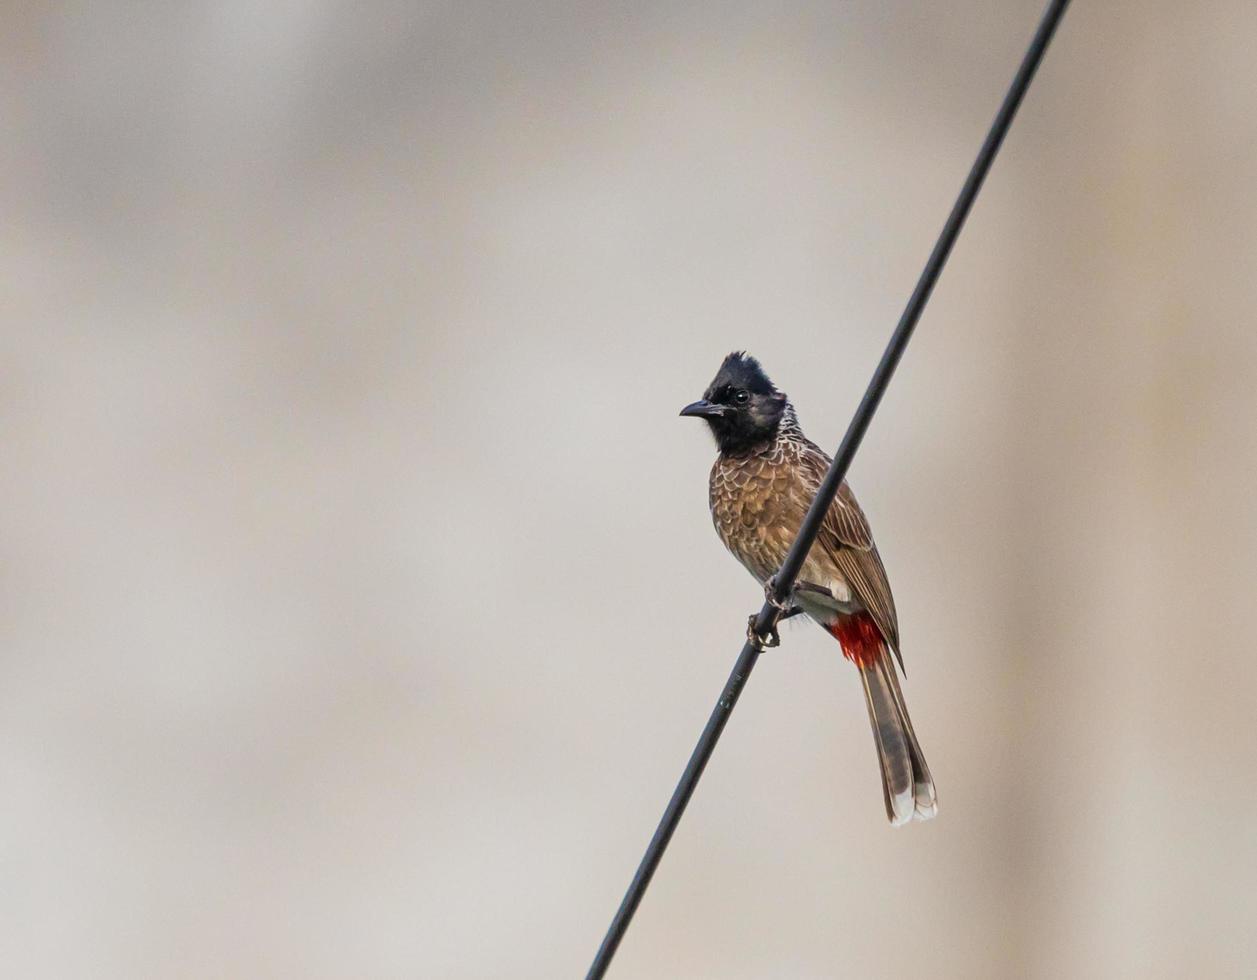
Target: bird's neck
x=787, y=429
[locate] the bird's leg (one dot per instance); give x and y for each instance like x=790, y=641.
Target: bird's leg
x=773, y=639
x=789, y=613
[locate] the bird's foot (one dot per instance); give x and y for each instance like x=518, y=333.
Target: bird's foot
x=771, y=639
x=770, y=595
x=761, y=643
x=784, y=611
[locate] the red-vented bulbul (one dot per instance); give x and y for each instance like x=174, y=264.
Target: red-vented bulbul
x=761, y=486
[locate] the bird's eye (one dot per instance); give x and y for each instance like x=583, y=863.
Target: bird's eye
x=742, y=397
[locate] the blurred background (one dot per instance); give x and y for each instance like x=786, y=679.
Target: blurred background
x=360, y=601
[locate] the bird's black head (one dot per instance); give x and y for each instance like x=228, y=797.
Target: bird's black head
x=741, y=405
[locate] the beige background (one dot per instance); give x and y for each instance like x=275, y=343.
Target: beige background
x=360, y=603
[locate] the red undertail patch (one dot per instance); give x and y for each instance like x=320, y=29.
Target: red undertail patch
x=860, y=638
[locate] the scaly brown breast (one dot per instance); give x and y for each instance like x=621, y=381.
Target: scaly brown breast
x=757, y=505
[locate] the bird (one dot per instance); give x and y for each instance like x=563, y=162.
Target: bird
x=762, y=483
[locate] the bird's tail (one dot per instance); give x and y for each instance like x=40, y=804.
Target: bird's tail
x=906, y=781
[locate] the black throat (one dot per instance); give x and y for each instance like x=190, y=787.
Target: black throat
x=744, y=439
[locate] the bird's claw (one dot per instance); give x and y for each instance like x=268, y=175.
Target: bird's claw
x=761, y=643
x=770, y=595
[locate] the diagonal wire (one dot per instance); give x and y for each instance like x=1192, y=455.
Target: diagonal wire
x=784, y=580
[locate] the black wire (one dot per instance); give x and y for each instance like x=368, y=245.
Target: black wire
x=810, y=527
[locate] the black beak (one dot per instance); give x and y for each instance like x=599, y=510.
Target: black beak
x=703, y=409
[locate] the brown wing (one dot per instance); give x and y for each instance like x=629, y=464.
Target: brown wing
x=846, y=536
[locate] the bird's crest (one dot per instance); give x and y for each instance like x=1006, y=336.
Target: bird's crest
x=741, y=370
